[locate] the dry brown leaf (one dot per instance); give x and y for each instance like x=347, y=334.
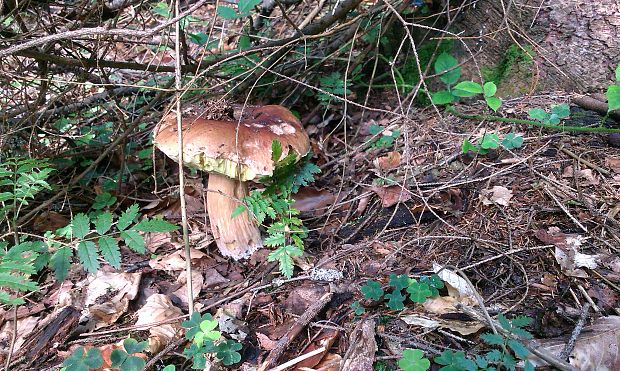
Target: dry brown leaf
x=567, y=253
x=613, y=163
x=25, y=327
x=265, y=342
x=325, y=341
x=391, y=195
x=175, y=261
x=108, y=295
x=158, y=308
x=498, y=194
x=197, y=283
x=331, y=362
x=388, y=162
x=313, y=200
x=596, y=347
x=586, y=175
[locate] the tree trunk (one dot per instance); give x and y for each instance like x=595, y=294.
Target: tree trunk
x=576, y=42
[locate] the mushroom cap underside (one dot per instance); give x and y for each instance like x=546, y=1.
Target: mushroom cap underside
x=240, y=150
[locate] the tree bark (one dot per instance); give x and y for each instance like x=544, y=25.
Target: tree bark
x=576, y=42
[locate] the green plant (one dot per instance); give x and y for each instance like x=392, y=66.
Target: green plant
x=492, y=141
x=20, y=181
x=80, y=360
x=286, y=232
x=244, y=8
x=333, y=84
x=95, y=235
x=446, y=66
x=613, y=93
x=418, y=290
x=558, y=112
x=508, y=349
x=123, y=358
x=201, y=330
x=414, y=360
x=381, y=137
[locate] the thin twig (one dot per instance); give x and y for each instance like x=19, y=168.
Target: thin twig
x=570, y=345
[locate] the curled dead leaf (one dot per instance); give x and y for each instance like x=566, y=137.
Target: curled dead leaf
x=391, y=195
x=159, y=308
x=108, y=295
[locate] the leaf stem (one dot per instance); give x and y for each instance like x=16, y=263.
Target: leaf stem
x=575, y=129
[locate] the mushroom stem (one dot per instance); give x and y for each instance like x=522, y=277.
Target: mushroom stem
x=236, y=237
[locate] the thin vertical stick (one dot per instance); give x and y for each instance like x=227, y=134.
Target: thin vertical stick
x=179, y=87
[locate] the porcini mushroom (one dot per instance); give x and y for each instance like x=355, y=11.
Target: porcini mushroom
x=233, y=153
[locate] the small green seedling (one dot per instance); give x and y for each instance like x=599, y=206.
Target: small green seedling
x=80, y=360
x=357, y=308
x=372, y=290
x=418, y=291
x=123, y=358
x=558, y=112
x=202, y=331
x=613, y=93
x=447, y=67
x=382, y=138
x=491, y=141
x=244, y=8
x=414, y=360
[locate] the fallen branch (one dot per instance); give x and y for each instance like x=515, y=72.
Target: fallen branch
x=299, y=325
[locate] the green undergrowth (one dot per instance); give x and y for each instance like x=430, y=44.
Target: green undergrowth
x=515, y=57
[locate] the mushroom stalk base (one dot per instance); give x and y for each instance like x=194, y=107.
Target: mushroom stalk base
x=236, y=237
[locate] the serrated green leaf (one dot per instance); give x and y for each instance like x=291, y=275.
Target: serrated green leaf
x=16, y=282
x=155, y=225
x=238, y=211
x=103, y=200
x=613, y=97
x=442, y=97
x=520, y=350
x=492, y=339
x=6, y=299
x=87, y=252
x=110, y=251
x=61, y=261
x=103, y=222
x=372, y=290
x=127, y=217
x=134, y=240
x=80, y=225
x=276, y=150
x=276, y=239
x=467, y=89
x=283, y=255
x=521, y=321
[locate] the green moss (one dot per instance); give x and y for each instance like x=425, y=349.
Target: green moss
x=514, y=57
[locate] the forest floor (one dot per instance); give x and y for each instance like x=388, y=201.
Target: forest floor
x=533, y=229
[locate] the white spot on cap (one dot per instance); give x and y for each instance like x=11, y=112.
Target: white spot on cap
x=281, y=129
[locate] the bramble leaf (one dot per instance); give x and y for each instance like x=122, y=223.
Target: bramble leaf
x=127, y=217
x=103, y=222
x=134, y=240
x=80, y=225
x=110, y=251
x=87, y=252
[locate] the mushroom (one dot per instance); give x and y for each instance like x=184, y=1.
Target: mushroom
x=233, y=153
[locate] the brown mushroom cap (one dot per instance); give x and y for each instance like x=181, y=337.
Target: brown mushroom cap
x=239, y=150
